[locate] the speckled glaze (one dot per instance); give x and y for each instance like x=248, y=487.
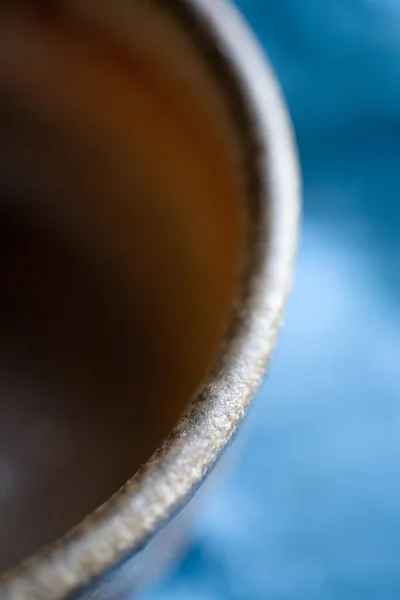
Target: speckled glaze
x=106, y=555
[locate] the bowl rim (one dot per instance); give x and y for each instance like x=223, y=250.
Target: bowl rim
x=127, y=521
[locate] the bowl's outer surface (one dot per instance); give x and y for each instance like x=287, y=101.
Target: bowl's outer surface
x=113, y=551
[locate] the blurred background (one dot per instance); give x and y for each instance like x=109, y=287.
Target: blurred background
x=312, y=510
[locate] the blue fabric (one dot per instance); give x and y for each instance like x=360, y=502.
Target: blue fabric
x=313, y=510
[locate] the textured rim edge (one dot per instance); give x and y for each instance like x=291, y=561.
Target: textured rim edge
x=125, y=523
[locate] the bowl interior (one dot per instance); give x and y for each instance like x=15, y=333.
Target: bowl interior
x=121, y=237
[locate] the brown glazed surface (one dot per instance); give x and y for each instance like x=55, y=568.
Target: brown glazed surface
x=117, y=266
x=227, y=146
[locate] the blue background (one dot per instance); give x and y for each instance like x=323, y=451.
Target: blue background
x=313, y=509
